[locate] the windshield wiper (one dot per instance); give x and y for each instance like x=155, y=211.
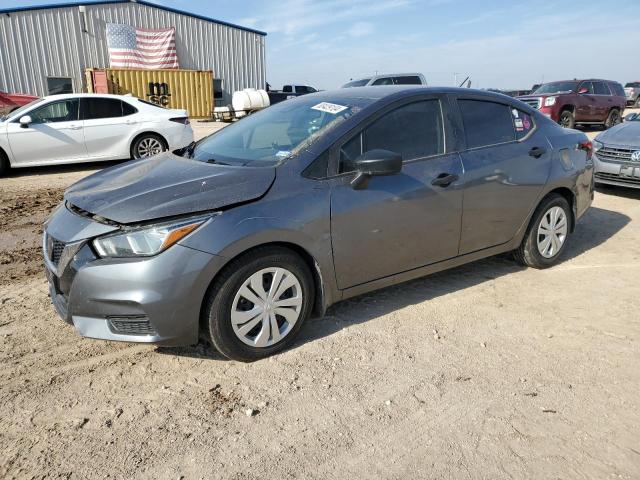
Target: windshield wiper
x=213, y=160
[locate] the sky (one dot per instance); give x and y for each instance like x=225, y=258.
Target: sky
x=499, y=44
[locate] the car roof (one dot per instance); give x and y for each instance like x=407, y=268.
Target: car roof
x=63, y=96
x=383, y=75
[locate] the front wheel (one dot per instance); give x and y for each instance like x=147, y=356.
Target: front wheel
x=547, y=234
x=567, y=120
x=259, y=303
x=148, y=145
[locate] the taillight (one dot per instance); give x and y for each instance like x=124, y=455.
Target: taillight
x=182, y=120
x=587, y=147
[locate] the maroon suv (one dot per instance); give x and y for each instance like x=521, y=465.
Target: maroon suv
x=570, y=102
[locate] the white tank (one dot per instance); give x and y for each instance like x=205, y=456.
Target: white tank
x=250, y=99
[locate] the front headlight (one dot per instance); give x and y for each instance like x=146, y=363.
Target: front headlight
x=596, y=145
x=146, y=241
x=549, y=101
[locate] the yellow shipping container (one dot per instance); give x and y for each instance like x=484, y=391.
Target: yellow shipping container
x=191, y=90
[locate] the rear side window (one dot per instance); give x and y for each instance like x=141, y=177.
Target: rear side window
x=522, y=123
x=408, y=80
x=95, y=108
x=383, y=81
x=413, y=130
x=600, y=88
x=128, y=109
x=616, y=89
x=486, y=123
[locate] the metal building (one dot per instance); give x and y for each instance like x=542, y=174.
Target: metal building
x=46, y=48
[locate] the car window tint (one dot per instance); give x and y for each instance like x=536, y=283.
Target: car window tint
x=383, y=81
x=588, y=86
x=413, y=131
x=349, y=152
x=62, y=111
x=600, y=88
x=616, y=89
x=318, y=168
x=95, y=108
x=408, y=80
x=128, y=109
x=287, y=89
x=522, y=123
x=486, y=123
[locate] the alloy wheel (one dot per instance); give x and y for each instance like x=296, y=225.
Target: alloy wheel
x=266, y=307
x=552, y=232
x=149, y=146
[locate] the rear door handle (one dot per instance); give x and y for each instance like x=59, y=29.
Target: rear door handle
x=444, y=179
x=537, y=152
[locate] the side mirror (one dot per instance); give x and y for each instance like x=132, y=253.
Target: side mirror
x=25, y=120
x=375, y=163
x=583, y=90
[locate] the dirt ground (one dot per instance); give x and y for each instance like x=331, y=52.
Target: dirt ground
x=489, y=370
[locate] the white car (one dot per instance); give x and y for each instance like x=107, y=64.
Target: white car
x=89, y=127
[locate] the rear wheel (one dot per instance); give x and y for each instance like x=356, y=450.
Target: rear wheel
x=547, y=234
x=259, y=303
x=613, y=119
x=148, y=145
x=567, y=120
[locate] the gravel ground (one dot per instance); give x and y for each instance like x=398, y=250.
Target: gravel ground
x=489, y=370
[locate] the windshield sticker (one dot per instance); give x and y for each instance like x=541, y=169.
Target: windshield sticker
x=519, y=124
x=515, y=113
x=329, y=107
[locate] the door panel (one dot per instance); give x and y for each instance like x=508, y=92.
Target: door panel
x=55, y=135
x=585, y=104
x=501, y=183
x=398, y=223
x=106, y=131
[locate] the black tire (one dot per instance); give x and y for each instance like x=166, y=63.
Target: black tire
x=567, y=119
x=137, y=145
x=613, y=119
x=221, y=295
x=528, y=253
x=5, y=166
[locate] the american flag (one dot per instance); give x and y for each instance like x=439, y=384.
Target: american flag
x=132, y=47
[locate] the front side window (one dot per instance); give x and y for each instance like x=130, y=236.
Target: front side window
x=486, y=123
x=383, y=81
x=96, y=108
x=58, y=85
x=54, y=112
x=556, y=87
x=408, y=80
x=588, y=86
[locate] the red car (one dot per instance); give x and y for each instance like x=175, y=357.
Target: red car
x=10, y=101
x=572, y=102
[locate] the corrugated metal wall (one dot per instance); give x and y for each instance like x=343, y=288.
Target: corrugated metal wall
x=36, y=44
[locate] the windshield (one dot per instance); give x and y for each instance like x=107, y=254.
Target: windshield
x=557, y=87
x=23, y=108
x=357, y=83
x=633, y=85
x=275, y=133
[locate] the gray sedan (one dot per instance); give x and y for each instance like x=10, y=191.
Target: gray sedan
x=244, y=235
x=617, y=154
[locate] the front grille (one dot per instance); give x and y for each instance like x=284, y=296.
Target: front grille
x=131, y=325
x=618, y=178
x=56, y=248
x=532, y=102
x=616, y=154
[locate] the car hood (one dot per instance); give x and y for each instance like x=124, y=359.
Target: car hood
x=626, y=133
x=166, y=185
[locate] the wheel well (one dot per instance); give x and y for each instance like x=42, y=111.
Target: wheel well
x=318, y=302
x=571, y=200
x=135, y=139
x=570, y=108
x=5, y=157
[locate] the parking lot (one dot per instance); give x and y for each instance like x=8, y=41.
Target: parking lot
x=489, y=370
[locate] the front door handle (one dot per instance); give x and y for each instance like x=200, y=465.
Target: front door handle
x=537, y=152
x=75, y=127
x=444, y=179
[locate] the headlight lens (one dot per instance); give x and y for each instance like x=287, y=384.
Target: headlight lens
x=597, y=145
x=146, y=241
x=549, y=101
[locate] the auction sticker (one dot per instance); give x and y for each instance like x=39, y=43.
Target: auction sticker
x=329, y=107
